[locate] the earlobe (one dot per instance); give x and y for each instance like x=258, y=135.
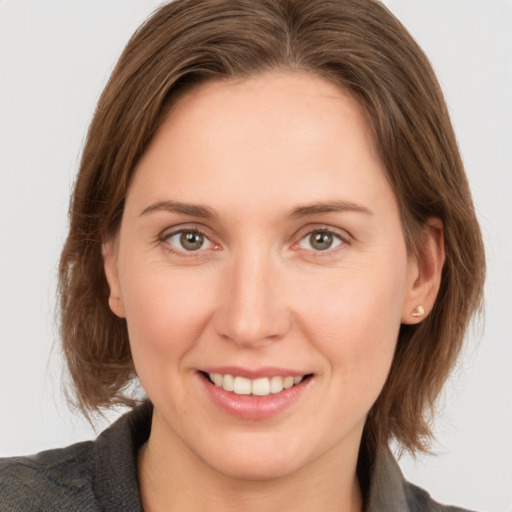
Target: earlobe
x=425, y=274
x=115, y=301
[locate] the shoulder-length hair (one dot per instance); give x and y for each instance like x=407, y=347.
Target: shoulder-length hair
x=359, y=46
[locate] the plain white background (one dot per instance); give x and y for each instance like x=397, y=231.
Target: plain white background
x=55, y=57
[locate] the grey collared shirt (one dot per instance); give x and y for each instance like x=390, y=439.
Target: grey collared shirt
x=101, y=475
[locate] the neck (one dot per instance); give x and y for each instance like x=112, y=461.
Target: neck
x=172, y=478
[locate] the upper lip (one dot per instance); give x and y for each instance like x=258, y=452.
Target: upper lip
x=254, y=373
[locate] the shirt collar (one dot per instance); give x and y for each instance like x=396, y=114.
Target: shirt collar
x=116, y=484
x=386, y=493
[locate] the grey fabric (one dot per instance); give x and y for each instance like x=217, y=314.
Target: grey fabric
x=101, y=475
x=92, y=476
x=390, y=492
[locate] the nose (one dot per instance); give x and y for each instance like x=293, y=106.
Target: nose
x=252, y=308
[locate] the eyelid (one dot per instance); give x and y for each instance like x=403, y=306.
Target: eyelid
x=206, y=242
x=306, y=231
x=299, y=235
x=169, y=232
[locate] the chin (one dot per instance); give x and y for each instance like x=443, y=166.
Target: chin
x=257, y=462
x=255, y=470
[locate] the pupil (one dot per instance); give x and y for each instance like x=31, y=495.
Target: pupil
x=321, y=241
x=191, y=241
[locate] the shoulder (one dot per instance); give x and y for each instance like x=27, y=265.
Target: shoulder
x=89, y=476
x=51, y=480
x=391, y=492
x=419, y=500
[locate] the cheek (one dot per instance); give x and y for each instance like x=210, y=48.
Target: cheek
x=354, y=322
x=165, y=314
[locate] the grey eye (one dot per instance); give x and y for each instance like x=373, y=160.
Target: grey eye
x=189, y=241
x=320, y=241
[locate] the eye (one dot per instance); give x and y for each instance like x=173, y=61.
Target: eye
x=188, y=240
x=320, y=240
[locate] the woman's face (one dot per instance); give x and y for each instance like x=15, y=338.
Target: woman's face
x=260, y=242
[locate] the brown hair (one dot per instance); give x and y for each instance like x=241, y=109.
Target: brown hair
x=358, y=45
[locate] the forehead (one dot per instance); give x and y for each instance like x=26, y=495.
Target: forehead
x=295, y=132
x=285, y=100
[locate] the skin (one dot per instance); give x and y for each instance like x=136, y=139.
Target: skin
x=257, y=293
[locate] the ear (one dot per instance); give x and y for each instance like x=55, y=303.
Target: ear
x=109, y=252
x=424, y=274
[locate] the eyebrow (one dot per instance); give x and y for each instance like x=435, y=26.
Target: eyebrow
x=204, y=212
x=193, y=210
x=328, y=207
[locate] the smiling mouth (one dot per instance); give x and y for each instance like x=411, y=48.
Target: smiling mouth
x=263, y=386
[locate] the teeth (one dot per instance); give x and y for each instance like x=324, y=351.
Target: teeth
x=242, y=386
x=217, y=379
x=227, y=382
x=259, y=387
x=287, y=382
x=276, y=384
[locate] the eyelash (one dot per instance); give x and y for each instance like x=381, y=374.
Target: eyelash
x=164, y=238
x=342, y=241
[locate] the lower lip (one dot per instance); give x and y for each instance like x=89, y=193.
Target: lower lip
x=251, y=407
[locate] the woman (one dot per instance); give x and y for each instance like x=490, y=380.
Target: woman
x=271, y=228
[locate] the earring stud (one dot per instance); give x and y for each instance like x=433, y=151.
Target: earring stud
x=418, y=311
